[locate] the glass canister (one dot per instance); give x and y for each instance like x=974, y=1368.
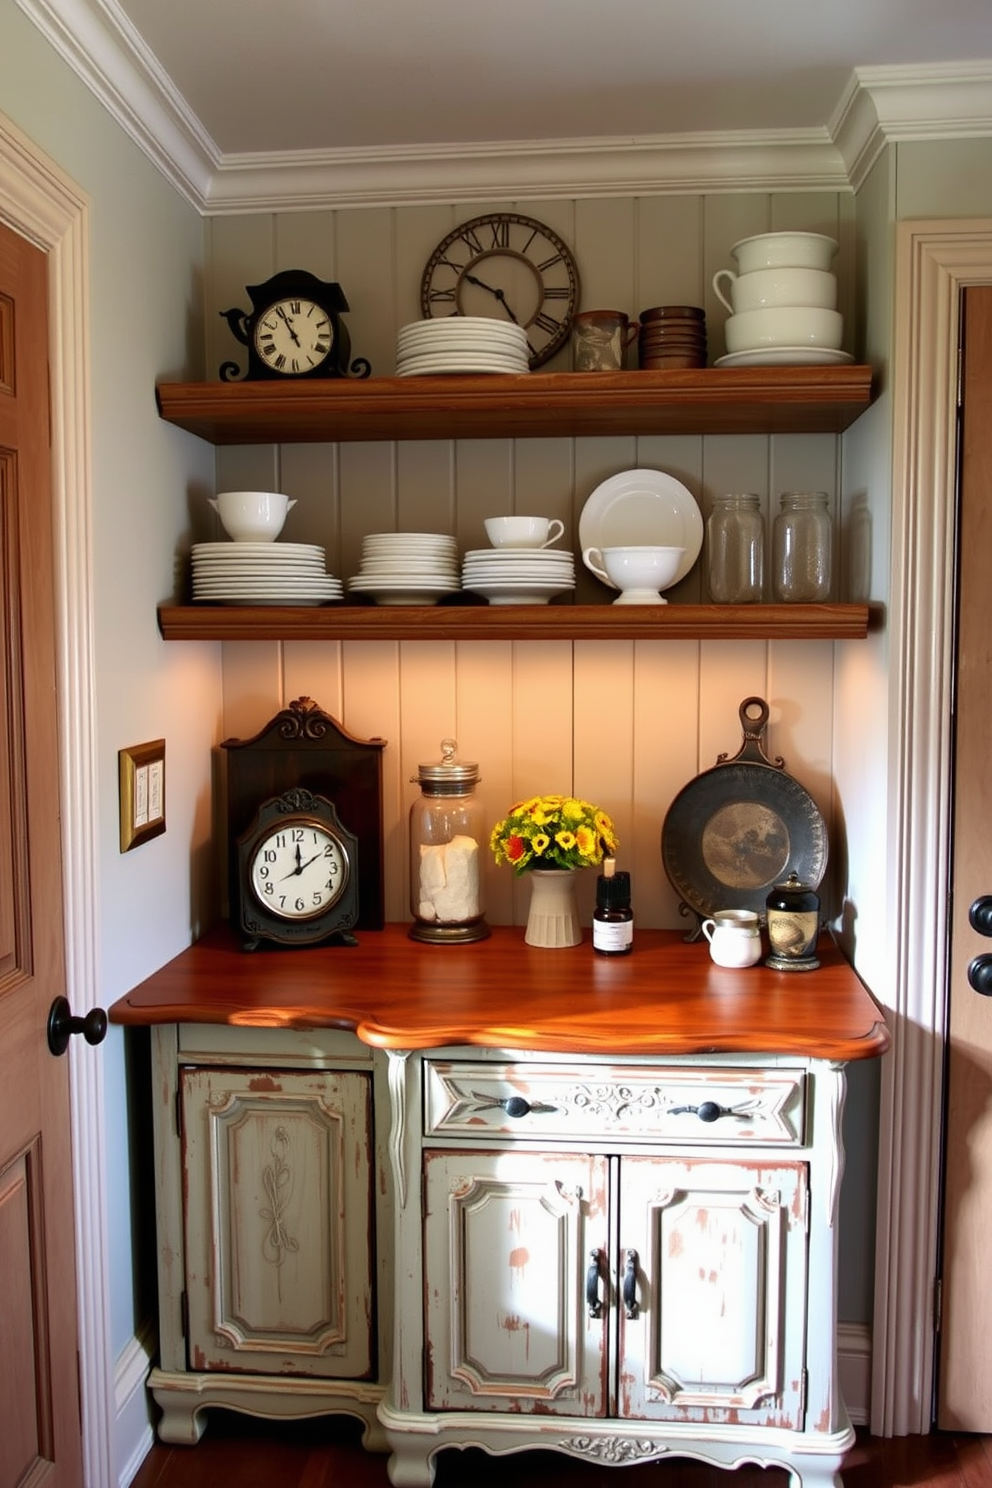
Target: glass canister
x=735, y=540
x=801, y=548
x=793, y=925
x=447, y=837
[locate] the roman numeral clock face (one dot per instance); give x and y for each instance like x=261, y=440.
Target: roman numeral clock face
x=293, y=336
x=507, y=268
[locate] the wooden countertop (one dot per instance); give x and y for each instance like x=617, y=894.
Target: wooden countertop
x=666, y=998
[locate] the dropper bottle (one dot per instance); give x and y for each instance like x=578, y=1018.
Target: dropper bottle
x=613, y=918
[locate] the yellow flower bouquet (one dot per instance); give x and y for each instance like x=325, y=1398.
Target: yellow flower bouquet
x=553, y=832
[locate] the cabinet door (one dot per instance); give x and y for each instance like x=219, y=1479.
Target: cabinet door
x=507, y=1243
x=719, y=1261
x=277, y=1224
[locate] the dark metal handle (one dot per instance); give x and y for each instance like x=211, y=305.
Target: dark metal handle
x=593, y=1300
x=630, y=1284
x=980, y=975
x=980, y=915
x=514, y=1105
x=62, y=1025
x=708, y=1111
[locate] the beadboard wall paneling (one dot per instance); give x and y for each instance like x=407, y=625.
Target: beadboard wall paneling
x=626, y=724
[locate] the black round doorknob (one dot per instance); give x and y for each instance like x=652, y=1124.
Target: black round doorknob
x=980, y=915
x=980, y=975
x=62, y=1025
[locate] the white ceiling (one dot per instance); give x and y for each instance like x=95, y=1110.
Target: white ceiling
x=294, y=75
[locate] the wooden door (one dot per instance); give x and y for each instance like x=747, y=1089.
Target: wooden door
x=279, y=1243
x=39, y=1394
x=716, y=1253
x=508, y=1238
x=965, y=1345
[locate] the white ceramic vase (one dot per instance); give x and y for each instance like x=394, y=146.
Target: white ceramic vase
x=553, y=919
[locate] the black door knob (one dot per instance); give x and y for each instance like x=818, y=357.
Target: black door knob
x=980, y=975
x=980, y=915
x=62, y=1025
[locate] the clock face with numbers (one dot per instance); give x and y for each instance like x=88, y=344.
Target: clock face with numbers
x=297, y=872
x=509, y=268
x=294, y=337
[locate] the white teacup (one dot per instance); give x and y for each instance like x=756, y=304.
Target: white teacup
x=523, y=532
x=639, y=572
x=734, y=937
x=774, y=250
x=784, y=325
x=252, y=516
x=765, y=287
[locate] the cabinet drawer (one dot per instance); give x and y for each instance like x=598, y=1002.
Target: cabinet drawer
x=662, y=1103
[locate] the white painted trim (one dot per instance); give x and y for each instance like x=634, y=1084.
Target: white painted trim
x=40, y=202
x=133, y=1403
x=854, y=1369
x=97, y=40
x=934, y=262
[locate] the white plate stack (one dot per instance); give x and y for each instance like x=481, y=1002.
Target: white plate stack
x=461, y=343
x=509, y=576
x=407, y=568
x=262, y=573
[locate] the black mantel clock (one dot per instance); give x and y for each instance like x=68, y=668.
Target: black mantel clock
x=304, y=783
x=293, y=330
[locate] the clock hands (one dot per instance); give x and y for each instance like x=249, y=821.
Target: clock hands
x=300, y=866
x=281, y=312
x=496, y=292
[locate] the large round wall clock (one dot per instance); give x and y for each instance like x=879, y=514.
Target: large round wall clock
x=297, y=873
x=507, y=267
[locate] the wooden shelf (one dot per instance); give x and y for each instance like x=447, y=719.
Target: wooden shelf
x=672, y=622
x=715, y=400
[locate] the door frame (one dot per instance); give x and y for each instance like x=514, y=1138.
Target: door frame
x=41, y=203
x=935, y=261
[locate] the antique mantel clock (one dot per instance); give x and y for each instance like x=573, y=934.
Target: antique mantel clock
x=304, y=830
x=293, y=330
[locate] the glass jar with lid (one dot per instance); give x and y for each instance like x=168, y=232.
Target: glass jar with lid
x=801, y=548
x=447, y=838
x=735, y=540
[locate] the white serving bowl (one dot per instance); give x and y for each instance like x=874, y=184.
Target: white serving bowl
x=252, y=516
x=764, y=287
x=784, y=325
x=639, y=572
x=774, y=250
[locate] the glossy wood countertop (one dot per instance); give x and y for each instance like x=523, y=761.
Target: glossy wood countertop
x=665, y=998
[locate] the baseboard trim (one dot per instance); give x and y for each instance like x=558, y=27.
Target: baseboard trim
x=854, y=1370
x=133, y=1430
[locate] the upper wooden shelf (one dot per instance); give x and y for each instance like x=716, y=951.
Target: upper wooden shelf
x=564, y=622
x=713, y=400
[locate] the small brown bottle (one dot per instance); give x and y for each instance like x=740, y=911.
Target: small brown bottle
x=613, y=918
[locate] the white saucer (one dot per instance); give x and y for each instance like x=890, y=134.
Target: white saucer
x=643, y=507
x=785, y=356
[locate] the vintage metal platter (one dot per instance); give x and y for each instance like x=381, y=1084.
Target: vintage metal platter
x=738, y=829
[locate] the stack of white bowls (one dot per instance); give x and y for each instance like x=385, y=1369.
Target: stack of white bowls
x=461, y=343
x=407, y=568
x=782, y=301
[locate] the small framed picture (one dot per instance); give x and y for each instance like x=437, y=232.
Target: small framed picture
x=142, y=793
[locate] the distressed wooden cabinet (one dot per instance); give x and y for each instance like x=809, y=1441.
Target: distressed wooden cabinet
x=491, y=1195
x=265, y=1147
x=625, y=1260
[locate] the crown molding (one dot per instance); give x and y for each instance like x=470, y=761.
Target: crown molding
x=879, y=105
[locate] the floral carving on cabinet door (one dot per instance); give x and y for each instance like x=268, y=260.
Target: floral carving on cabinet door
x=277, y=1182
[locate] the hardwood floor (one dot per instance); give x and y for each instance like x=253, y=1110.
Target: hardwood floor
x=327, y=1453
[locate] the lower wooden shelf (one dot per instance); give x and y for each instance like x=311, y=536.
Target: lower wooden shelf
x=515, y=622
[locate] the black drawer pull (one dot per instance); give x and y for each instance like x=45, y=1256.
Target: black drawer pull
x=593, y=1300
x=707, y=1111
x=513, y=1105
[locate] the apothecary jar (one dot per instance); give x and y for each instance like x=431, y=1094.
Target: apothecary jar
x=735, y=540
x=802, y=548
x=447, y=838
